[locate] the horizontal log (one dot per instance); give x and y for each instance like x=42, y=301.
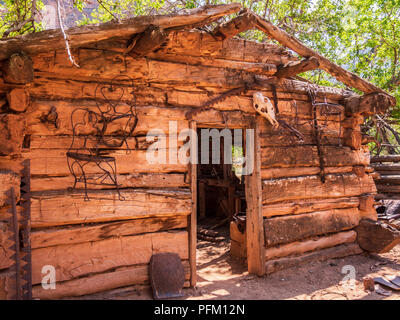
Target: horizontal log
x=197, y=43
x=285, y=138
x=83, y=35
x=311, y=187
x=76, y=260
x=386, y=158
x=276, y=173
x=267, y=69
x=135, y=180
x=388, y=169
x=388, y=179
x=120, y=277
x=54, y=163
x=310, y=205
x=51, y=209
x=308, y=156
x=180, y=95
x=291, y=228
x=329, y=129
x=149, y=117
x=387, y=188
x=369, y=104
x=88, y=233
x=170, y=97
x=301, y=247
x=340, y=251
x=65, y=141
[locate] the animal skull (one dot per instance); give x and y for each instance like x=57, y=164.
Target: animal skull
x=265, y=108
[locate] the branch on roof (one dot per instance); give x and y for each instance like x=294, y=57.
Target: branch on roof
x=293, y=68
x=245, y=21
x=348, y=78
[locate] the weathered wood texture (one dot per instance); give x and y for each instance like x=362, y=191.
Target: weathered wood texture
x=100, y=231
x=12, y=130
x=292, y=228
x=71, y=208
x=308, y=205
x=105, y=243
x=311, y=187
x=313, y=244
x=80, y=36
x=75, y=260
x=7, y=285
x=5, y=253
x=308, y=156
x=18, y=69
x=8, y=179
x=119, y=277
x=254, y=218
x=339, y=251
x=18, y=99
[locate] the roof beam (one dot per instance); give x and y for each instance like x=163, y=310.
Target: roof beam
x=348, y=78
x=34, y=43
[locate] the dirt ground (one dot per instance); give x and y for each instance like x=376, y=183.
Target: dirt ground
x=222, y=277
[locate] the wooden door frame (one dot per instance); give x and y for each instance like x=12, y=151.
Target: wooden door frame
x=254, y=217
x=253, y=191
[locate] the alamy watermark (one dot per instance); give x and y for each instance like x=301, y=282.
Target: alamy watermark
x=159, y=153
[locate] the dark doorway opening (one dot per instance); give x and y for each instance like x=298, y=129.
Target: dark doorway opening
x=221, y=195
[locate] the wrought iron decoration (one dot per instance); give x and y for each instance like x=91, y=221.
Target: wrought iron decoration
x=92, y=138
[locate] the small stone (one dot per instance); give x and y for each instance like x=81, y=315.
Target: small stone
x=369, y=284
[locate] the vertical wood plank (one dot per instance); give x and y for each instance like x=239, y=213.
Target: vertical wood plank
x=193, y=216
x=254, y=218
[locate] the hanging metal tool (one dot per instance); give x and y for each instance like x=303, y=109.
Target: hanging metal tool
x=20, y=238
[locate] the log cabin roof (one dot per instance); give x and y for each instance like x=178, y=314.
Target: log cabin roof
x=186, y=20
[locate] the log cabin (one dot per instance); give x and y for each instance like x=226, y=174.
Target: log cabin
x=96, y=218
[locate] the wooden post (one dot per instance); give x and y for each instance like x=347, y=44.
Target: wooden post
x=192, y=223
x=254, y=217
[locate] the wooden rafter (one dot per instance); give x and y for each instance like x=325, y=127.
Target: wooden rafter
x=78, y=36
x=348, y=78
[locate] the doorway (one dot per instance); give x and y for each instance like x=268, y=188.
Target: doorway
x=221, y=196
